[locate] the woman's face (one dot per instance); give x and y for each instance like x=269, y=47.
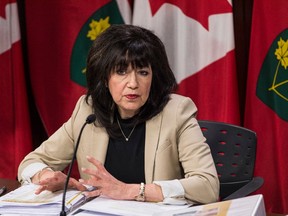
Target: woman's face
x=130, y=89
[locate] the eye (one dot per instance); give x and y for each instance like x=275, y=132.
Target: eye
x=121, y=71
x=143, y=72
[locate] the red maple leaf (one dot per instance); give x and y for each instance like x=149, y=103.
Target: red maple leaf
x=199, y=10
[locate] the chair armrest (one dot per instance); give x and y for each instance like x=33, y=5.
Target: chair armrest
x=247, y=189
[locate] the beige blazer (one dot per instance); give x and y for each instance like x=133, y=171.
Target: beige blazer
x=174, y=148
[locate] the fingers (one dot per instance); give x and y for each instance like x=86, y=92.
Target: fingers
x=94, y=193
x=96, y=163
x=73, y=183
x=100, y=172
x=92, y=184
x=102, y=180
x=58, y=179
x=92, y=172
x=40, y=189
x=57, y=182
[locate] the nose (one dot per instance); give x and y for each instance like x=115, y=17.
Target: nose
x=133, y=80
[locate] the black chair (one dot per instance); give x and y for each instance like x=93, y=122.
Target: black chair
x=234, y=152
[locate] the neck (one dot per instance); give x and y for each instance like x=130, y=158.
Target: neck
x=126, y=115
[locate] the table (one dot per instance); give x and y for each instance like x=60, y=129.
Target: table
x=12, y=184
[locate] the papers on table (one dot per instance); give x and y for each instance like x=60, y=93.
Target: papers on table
x=24, y=201
x=248, y=206
x=105, y=206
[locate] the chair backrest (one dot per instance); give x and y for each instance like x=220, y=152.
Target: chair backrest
x=234, y=151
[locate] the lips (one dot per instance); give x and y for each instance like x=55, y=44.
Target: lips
x=132, y=96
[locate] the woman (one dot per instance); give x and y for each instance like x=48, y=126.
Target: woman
x=145, y=144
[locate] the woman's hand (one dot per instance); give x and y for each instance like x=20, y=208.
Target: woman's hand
x=54, y=181
x=106, y=184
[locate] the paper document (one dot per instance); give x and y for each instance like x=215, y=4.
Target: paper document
x=24, y=201
x=105, y=206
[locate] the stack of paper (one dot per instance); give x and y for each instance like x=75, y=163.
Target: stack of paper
x=106, y=206
x=24, y=201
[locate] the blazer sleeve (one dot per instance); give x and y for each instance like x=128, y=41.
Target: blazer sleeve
x=57, y=151
x=189, y=148
x=201, y=182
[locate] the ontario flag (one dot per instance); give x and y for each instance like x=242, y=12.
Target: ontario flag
x=15, y=131
x=58, y=45
x=199, y=40
x=267, y=99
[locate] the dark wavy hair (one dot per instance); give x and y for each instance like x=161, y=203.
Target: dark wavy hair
x=117, y=47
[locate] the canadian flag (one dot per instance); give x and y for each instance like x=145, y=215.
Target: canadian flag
x=199, y=39
x=15, y=130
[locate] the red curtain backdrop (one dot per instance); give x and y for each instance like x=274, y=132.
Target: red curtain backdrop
x=15, y=131
x=267, y=99
x=199, y=39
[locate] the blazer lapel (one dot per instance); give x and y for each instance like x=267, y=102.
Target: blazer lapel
x=153, y=127
x=101, y=138
x=151, y=144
